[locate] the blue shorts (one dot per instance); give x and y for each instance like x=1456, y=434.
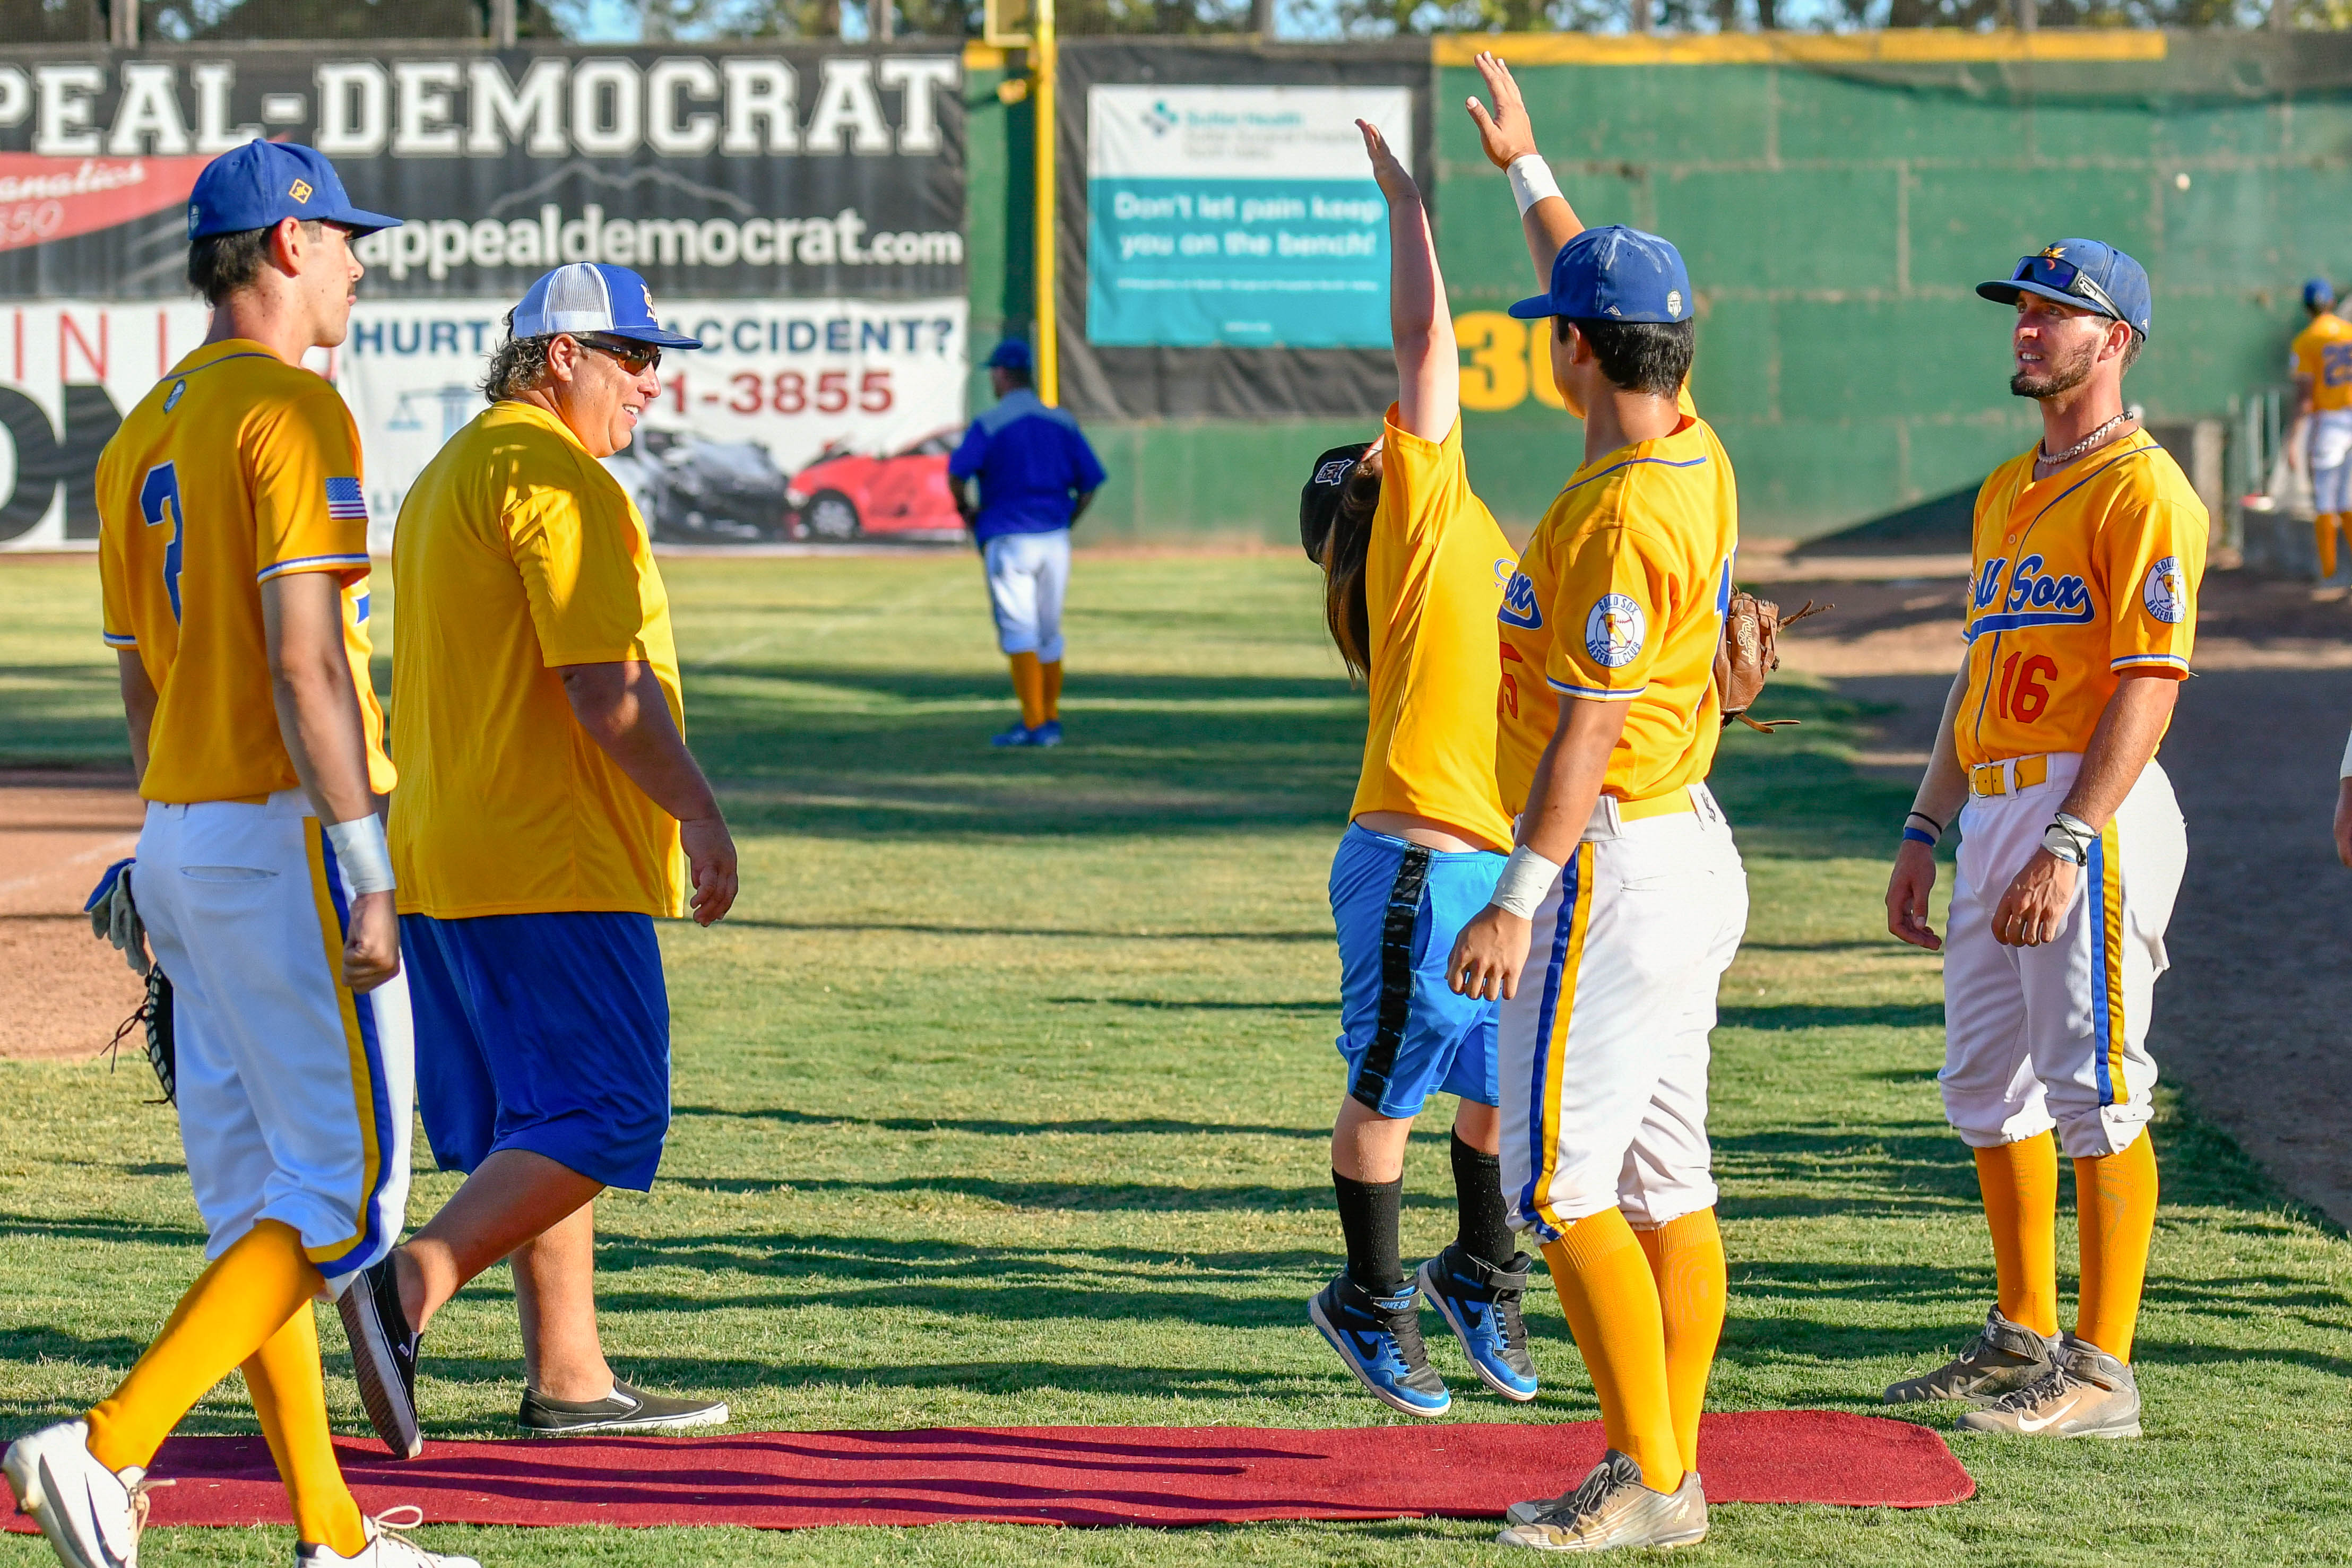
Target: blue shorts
x=1405, y=1036
x=546, y=1033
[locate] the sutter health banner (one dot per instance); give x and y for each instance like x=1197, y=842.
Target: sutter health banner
x=1237, y=216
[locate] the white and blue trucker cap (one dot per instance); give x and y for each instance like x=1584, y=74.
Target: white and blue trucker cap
x=592, y=297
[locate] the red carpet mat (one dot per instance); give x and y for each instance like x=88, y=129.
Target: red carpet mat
x=1059, y=1475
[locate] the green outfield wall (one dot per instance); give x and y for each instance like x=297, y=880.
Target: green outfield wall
x=1837, y=199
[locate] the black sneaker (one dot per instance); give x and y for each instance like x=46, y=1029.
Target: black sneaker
x=1379, y=1339
x=1480, y=1302
x=383, y=1356
x=626, y=1409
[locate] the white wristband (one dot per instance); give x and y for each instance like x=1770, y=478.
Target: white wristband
x=2346, y=770
x=1531, y=181
x=361, y=854
x=1526, y=878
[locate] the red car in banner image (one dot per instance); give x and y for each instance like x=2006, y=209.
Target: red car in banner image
x=846, y=494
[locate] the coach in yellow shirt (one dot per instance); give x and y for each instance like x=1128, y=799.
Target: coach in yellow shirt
x=547, y=793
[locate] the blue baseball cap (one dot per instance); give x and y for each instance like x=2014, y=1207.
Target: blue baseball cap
x=1012, y=354
x=256, y=185
x=1614, y=274
x=2082, y=272
x=594, y=296
x=2318, y=291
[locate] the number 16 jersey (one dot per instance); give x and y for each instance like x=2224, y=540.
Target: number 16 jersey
x=237, y=468
x=2077, y=579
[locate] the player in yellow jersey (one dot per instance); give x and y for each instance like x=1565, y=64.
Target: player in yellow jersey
x=233, y=557
x=1624, y=899
x=2088, y=554
x=2321, y=363
x=1413, y=567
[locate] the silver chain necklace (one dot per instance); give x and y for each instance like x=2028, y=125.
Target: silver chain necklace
x=2060, y=459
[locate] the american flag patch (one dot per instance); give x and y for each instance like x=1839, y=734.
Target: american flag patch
x=345, y=502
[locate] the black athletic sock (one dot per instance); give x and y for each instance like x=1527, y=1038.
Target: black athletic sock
x=1486, y=1219
x=1368, y=1218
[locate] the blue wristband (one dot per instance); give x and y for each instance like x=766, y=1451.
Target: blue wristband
x=1918, y=836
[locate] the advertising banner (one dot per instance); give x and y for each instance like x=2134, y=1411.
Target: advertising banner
x=808, y=419
x=781, y=171
x=1238, y=215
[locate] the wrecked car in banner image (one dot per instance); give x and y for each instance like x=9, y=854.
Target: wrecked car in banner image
x=694, y=490
x=846, y=494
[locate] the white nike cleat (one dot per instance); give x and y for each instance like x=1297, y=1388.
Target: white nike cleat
x=1611, y=1510
x=91, y=1515
x=386, y=1546
x=2086, y=1393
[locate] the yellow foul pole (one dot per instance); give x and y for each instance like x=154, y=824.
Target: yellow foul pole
x=1043, y=53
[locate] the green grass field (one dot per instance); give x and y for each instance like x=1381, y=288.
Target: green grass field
x=1004, y=1099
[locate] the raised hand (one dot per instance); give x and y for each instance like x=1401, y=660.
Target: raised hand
x=1505, y=133
x=1395, y=183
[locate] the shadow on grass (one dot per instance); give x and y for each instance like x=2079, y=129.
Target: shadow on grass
x=996, y=1127
x=1065, y=933
x=1797, y=1015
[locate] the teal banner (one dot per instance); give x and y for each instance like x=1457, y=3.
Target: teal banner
x=1297, y=264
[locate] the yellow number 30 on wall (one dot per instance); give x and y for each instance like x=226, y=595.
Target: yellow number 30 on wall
x=1499, y=368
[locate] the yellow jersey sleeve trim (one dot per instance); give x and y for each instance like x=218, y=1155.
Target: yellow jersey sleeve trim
x=1598, y=694
x=2132, y=661
x=311, y=563
x=119, y=639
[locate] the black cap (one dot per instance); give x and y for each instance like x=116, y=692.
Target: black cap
x=1318, y=501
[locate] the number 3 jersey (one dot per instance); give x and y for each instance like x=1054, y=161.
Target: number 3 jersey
x=2077, y=578
x=237, y=468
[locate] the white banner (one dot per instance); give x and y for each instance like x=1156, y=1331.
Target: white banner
x=824, y=417
x=1240, y=133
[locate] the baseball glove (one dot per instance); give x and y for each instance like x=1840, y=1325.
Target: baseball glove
x=154, y=1015
x=1750, y=652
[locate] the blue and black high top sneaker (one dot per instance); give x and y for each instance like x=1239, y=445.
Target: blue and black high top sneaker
x=1481, y=1304
x=1379, y=1339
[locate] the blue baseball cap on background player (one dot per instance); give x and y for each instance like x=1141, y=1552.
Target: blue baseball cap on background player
x=262, y=183
x=1614, y=274
x=2082, y=273
x=2318, y=291
x=1012, y=354
x=594, y=296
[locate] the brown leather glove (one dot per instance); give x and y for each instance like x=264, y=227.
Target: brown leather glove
x=1750, y=651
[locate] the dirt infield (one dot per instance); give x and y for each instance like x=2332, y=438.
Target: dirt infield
x=2251, y=1018
x=64, y=991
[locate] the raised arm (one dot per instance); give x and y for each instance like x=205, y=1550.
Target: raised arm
x=1509, y=135
x=1429, y=370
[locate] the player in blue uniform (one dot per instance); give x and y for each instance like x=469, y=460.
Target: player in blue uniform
x=1036, y=476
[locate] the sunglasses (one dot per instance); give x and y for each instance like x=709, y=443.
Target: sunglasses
x=2053, y=272
x=633, y=357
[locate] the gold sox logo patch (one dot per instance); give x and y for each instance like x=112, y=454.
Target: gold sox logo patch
x=300, y=190
x=1614, y=632
x=2161, y=591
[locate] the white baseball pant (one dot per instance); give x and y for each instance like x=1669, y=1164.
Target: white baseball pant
x=1604, y=1049
x=2057, y=1036
x=1027, y=575
x=2330, y=452
x=296, y=1096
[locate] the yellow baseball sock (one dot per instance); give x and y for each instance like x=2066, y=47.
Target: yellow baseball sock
x=1687, y=1260
x=1052, y=669
x=2115, y=1198
x=1029, y=686
x=1612, y=1300
x=290, y=1397
x=234, y=1307
x=2323, y=532
x=2020, y=1182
